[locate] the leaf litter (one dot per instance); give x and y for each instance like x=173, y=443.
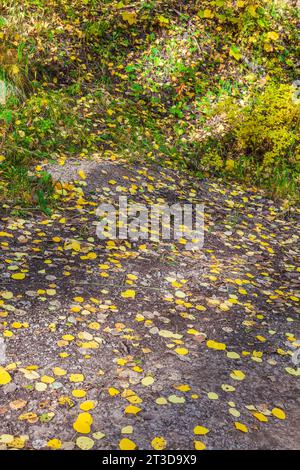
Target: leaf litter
x=147, y=339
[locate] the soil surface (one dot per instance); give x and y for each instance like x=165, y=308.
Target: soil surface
x=156, y=339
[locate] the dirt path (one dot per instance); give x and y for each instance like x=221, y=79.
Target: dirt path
x=155, y=339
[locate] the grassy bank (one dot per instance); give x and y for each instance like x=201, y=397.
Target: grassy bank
x=209, y=86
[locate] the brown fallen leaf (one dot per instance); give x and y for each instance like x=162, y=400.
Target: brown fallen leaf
x=199, y=338
x=17, y=404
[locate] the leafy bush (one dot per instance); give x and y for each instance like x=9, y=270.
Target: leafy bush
x=260, y=137
x=267, y=127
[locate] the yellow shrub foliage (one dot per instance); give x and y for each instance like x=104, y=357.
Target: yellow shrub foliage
x=267, y=127
x=260, y=136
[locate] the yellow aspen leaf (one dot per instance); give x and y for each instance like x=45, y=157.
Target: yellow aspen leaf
x=241, y=427
x=64, y=354
x=18, y=276
x=161, y=401
x=127, y=444
x=233, y=355
x=268, y=47
x=83, y=423
x=94, y=326
x=6, y=438
x=7, y=295
x=273, y=35
x=260, y=338
x=198, y=445
x=122, y=362
x=15, y=69
x=131, y=409
x=84, y=443
x=76, y=378
x=50, y=292
x=6, y=234
x=7, y=334
x=127, y=393
x=295, y=372
x=5, y=377
x=200, y=430
x=98, y=435
x=237, y=375
x=127, y=430
x=261, y=417
x=72, y=245
x=230, y=164
x=58, y=371
x=182, y=351
x=146, y=381
x=90, y=255
x=78, y=393
x=68, y=337
x=278, y=413
x=46, y=379
x=180, y=294
x=82, y=174
x=234, y=412
x=30, y=417
x=158, y=443
x=200, y=307
x=192, y=331
x=87, y=405
x=252, y=10
x=227, y=388
x=18, y=442
x=213, y=396
x=64, y=400
x=128, y=294
x=215, y=345
x=208, y=14
x=113, y=391
x=90, y=345
x=169, y=334
x=176, y=399
x=130, y=17
x=182, y=388
x=134, y=399
x=54, y=444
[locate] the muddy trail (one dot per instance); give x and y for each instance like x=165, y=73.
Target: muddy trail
x=110, y=344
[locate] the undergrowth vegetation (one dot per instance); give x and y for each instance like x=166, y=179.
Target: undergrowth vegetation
x=210, y=86
x=258, y=139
